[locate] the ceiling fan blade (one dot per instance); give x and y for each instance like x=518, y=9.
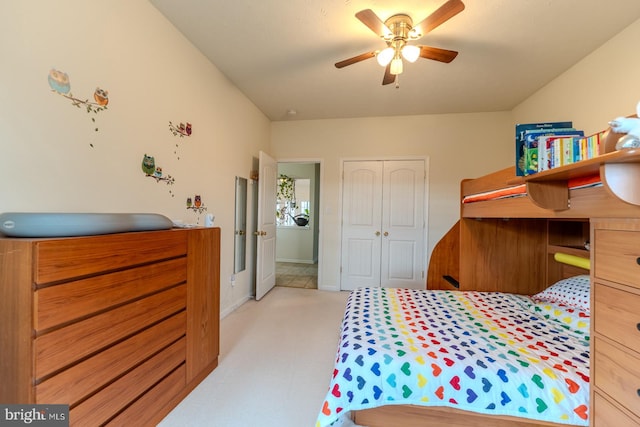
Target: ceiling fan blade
x=388, y=77
x=439, y=16
x=355, y=59
x=437, y=54
x=375, y=24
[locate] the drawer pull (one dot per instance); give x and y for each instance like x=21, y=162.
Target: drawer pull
x=638, y=260
x=638, y=391
x=638, y=326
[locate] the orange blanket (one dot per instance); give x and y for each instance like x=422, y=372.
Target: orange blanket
x=521, y=190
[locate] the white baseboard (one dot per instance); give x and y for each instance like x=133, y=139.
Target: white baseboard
x=334, y=288
x=234, y=307
x=298, y=261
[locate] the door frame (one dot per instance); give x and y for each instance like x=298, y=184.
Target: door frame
x=425, y=210
x=320, y=216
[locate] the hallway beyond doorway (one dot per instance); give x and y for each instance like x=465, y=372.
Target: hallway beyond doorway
x=297, y=275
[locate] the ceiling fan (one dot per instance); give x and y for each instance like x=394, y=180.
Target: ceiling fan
x=397, y=31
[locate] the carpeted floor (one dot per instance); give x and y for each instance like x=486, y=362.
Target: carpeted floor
x=276, y=362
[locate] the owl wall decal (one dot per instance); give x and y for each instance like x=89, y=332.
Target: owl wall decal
x=158, y=172
x=101, y=96
x=148, y=165
x=59, y=81
x=181, y=130
x=195, y=204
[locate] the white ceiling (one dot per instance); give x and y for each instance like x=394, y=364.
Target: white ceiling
x=281, y=53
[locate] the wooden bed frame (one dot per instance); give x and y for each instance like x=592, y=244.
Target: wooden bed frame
x=501, y=243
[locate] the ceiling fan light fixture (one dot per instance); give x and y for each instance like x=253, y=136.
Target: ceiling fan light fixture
x=385, y=56
x=411, y=53
x=396, y=66
x=397, y=31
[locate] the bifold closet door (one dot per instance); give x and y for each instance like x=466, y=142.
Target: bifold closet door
x=402, y=260
x=361, y=224
x=383, y=224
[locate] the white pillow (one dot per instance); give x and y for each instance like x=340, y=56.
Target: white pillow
x=572, y=292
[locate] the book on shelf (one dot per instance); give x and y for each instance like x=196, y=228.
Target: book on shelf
x=545, y=152
x=591, y=146
x=556, y=149
x=520, y=134
x=531, y=143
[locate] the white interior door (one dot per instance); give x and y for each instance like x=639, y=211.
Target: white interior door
x=361, y=224
x=402, y=261
x=266, y=225
x=383, y=224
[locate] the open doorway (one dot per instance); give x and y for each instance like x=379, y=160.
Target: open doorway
x=298, y=217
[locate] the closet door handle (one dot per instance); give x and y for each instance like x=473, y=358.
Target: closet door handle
x=386, y=233
x=377, y=233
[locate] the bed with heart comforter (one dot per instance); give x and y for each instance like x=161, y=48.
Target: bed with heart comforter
x=487, y=352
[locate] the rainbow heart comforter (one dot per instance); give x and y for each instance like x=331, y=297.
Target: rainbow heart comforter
x=487, y=352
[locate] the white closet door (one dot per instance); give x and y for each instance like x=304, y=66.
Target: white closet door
x=383, y=224
x=402, y=257
x=361, y=222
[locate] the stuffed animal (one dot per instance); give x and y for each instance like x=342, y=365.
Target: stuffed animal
x=630, y=126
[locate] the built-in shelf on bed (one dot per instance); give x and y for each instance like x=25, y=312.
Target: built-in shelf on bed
x=548, y=194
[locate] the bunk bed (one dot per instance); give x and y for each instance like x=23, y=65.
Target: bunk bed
x=510, y=245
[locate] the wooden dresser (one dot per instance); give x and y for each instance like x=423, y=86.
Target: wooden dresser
x=120, y=327
x=615, y=353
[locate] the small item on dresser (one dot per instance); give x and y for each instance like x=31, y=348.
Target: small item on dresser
x=208, y=220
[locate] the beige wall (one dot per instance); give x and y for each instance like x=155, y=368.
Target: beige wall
x=153, y=76
x=603, y=86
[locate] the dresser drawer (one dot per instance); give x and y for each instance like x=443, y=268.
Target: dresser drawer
x=67, y=302
x=79, y=381
x=617, y=373
x=64, y=259
x=617, y=256
x=607, y=415
x=146, y=409
x=617, y=315
x=102, y=406
x=63, y=347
